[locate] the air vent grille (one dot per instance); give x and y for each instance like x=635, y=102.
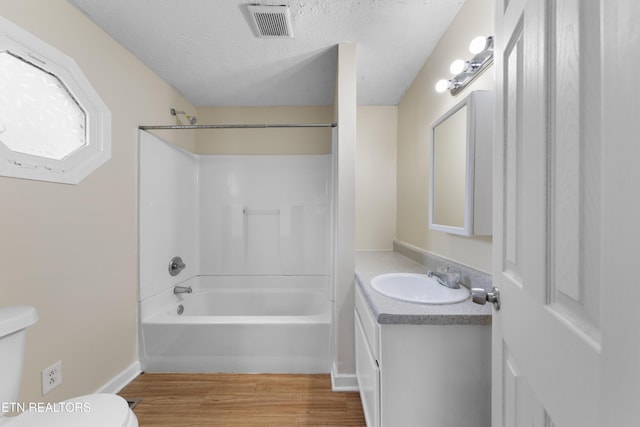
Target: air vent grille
x=271, y=21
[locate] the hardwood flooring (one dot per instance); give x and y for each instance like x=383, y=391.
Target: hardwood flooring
x=283, y=400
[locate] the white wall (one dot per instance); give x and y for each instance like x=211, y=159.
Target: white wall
x=265, y=215
x=71, y=250
x=168, y=214
x=344, y=266
x=419, y=108
x=231, y=214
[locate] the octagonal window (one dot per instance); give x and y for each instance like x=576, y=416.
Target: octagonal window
x=38, y=113
x=53, y=125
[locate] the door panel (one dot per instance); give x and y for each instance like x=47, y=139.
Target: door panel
x=575, y=144
x=512, y=158
x=547, y=186
x=521, y=406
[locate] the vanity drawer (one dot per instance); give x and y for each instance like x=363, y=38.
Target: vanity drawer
x=369, y=325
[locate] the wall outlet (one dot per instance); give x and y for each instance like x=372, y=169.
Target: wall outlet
x=51, y=377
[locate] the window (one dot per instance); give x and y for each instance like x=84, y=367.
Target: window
x=53, y=124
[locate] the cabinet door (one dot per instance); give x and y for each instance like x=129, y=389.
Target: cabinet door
x=368, y=375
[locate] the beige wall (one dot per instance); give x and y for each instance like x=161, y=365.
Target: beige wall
x=264, y=141
x=420, y=107
x=376, y=177
x=71, y=250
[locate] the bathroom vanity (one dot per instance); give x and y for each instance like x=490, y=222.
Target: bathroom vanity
x=418, y=364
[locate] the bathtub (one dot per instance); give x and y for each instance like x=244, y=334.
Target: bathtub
x=249, y=324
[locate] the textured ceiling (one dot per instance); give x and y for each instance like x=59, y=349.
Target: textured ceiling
x=208, y=51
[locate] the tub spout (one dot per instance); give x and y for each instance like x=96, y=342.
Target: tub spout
x=182, y=290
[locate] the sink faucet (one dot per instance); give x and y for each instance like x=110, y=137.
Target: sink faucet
x=445, y=279
x=182, y=290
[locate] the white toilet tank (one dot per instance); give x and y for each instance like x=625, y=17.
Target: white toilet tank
x=13, y=321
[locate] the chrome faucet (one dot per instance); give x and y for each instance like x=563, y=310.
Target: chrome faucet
x=182, y=290
x=176, y=266
x=450, y=280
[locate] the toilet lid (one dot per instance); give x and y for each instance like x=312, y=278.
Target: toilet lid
x=95, y=410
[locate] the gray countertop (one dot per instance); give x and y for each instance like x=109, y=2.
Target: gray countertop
x=391, y=311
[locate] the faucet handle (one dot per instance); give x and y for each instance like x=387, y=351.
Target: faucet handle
x=176, y=266
x=452, y=274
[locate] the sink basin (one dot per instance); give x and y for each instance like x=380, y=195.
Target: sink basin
x=418, y=288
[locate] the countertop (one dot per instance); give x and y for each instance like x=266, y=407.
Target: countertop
x=391, y=311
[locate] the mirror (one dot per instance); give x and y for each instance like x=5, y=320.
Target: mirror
x=461, y=142
x=449, y=170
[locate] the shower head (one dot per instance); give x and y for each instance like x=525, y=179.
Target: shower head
x=192, y=119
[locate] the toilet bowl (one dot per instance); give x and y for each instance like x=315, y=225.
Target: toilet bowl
x=95, y=410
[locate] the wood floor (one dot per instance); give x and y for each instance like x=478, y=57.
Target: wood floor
x=242, y=400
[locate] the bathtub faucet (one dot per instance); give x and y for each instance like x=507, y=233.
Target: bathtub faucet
x=176, y=266
x=182, y=290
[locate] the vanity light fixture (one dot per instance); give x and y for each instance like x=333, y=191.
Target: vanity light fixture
x=457, y=66
x=466, y=71
x=478, y=44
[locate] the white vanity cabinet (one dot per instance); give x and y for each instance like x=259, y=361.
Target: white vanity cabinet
x=422, y=374
x=367, y=356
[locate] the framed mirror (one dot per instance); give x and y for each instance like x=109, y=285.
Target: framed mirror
x=461, y=152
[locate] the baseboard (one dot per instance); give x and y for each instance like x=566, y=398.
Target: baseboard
x=343, y=382
x=121, y=380
x=339, y=382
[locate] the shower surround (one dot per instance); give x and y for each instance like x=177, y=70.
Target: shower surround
x=255, y=234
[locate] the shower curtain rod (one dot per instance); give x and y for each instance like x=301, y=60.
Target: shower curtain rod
x=241, y=126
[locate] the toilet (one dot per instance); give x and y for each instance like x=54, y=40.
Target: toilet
x=95, y=410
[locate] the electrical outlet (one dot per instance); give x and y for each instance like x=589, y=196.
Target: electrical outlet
x=51, y=377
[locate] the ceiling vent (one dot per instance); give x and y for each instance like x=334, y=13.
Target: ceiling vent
x=271, y=21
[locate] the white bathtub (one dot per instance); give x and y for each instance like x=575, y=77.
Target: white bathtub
x=276, y=324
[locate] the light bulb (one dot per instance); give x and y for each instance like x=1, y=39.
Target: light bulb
x=442, y=85
x=478, y=44
x=457, y=66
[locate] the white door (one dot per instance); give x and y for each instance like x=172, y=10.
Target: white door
x=566, y=344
